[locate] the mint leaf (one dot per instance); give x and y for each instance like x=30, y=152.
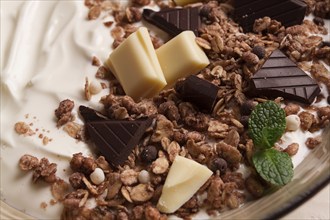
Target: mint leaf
x=274, y=166
x=266, y=124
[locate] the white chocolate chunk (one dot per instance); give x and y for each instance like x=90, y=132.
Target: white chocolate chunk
x=185, y=2
x=134, y=63
x=181, y=57
x=184, y=178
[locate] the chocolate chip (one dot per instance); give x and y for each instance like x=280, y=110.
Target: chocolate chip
x=328, y=99
x=259, y=51
x=219, y=164
x=149, y=154
x=247, y=107
x=318, y=21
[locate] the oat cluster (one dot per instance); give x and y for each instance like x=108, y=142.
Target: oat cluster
x=218, y=139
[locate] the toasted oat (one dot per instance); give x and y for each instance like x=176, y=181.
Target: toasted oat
x=60, y=189
x=160, y=165
x=87, y=92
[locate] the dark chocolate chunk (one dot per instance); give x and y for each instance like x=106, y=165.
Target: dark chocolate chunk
x=114, y=138
x=174, y=21
x=198, y=91
x=117, y=138
x=90, y=114
x=280, y=77
x=288, y=12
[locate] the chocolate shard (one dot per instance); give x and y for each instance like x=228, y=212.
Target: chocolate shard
x=114, y=138
x=280, y=77
x=174, y=21
x=200, y=92
x=89, y=114
x=288, y=12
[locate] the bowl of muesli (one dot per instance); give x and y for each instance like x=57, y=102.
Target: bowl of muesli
x=150, y=109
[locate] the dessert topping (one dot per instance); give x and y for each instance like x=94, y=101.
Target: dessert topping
x=116, y=138
x=151, y=69
x=181, y=57
x=136, y=59
x=184, y=178
x=280, y=77
x=174, y=21
x=198, y=91
x=266, y=126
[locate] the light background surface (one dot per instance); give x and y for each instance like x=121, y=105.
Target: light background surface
x=318, y=207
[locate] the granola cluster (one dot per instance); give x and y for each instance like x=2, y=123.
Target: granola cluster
x=218, y=140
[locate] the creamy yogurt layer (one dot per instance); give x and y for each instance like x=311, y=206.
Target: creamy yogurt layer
x=46, y=51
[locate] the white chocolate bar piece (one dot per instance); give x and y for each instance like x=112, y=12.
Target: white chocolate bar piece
x=185, y=2
x=134, y=63
x=181, y=57
x=184, y=179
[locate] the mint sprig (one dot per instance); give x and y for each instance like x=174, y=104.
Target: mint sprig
x=266, y=126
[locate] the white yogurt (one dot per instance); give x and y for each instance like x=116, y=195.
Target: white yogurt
x=46, y=53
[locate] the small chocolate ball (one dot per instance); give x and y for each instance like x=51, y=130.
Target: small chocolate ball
x=219, y=164
x=259, y=51
x=149, y=154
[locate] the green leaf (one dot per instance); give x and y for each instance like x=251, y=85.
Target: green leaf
x=266, y=124
x=274, y=166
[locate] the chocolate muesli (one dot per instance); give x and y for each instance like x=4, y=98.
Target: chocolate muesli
x=140, y=142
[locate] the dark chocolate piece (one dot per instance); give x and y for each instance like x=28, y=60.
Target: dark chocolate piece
x=114, y=138
x=198, y=91
x=90, y=114
x=288, y=12
x=280, y=77
x=174, y=21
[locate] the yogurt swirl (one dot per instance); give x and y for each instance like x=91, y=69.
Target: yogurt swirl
x=46, y=53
